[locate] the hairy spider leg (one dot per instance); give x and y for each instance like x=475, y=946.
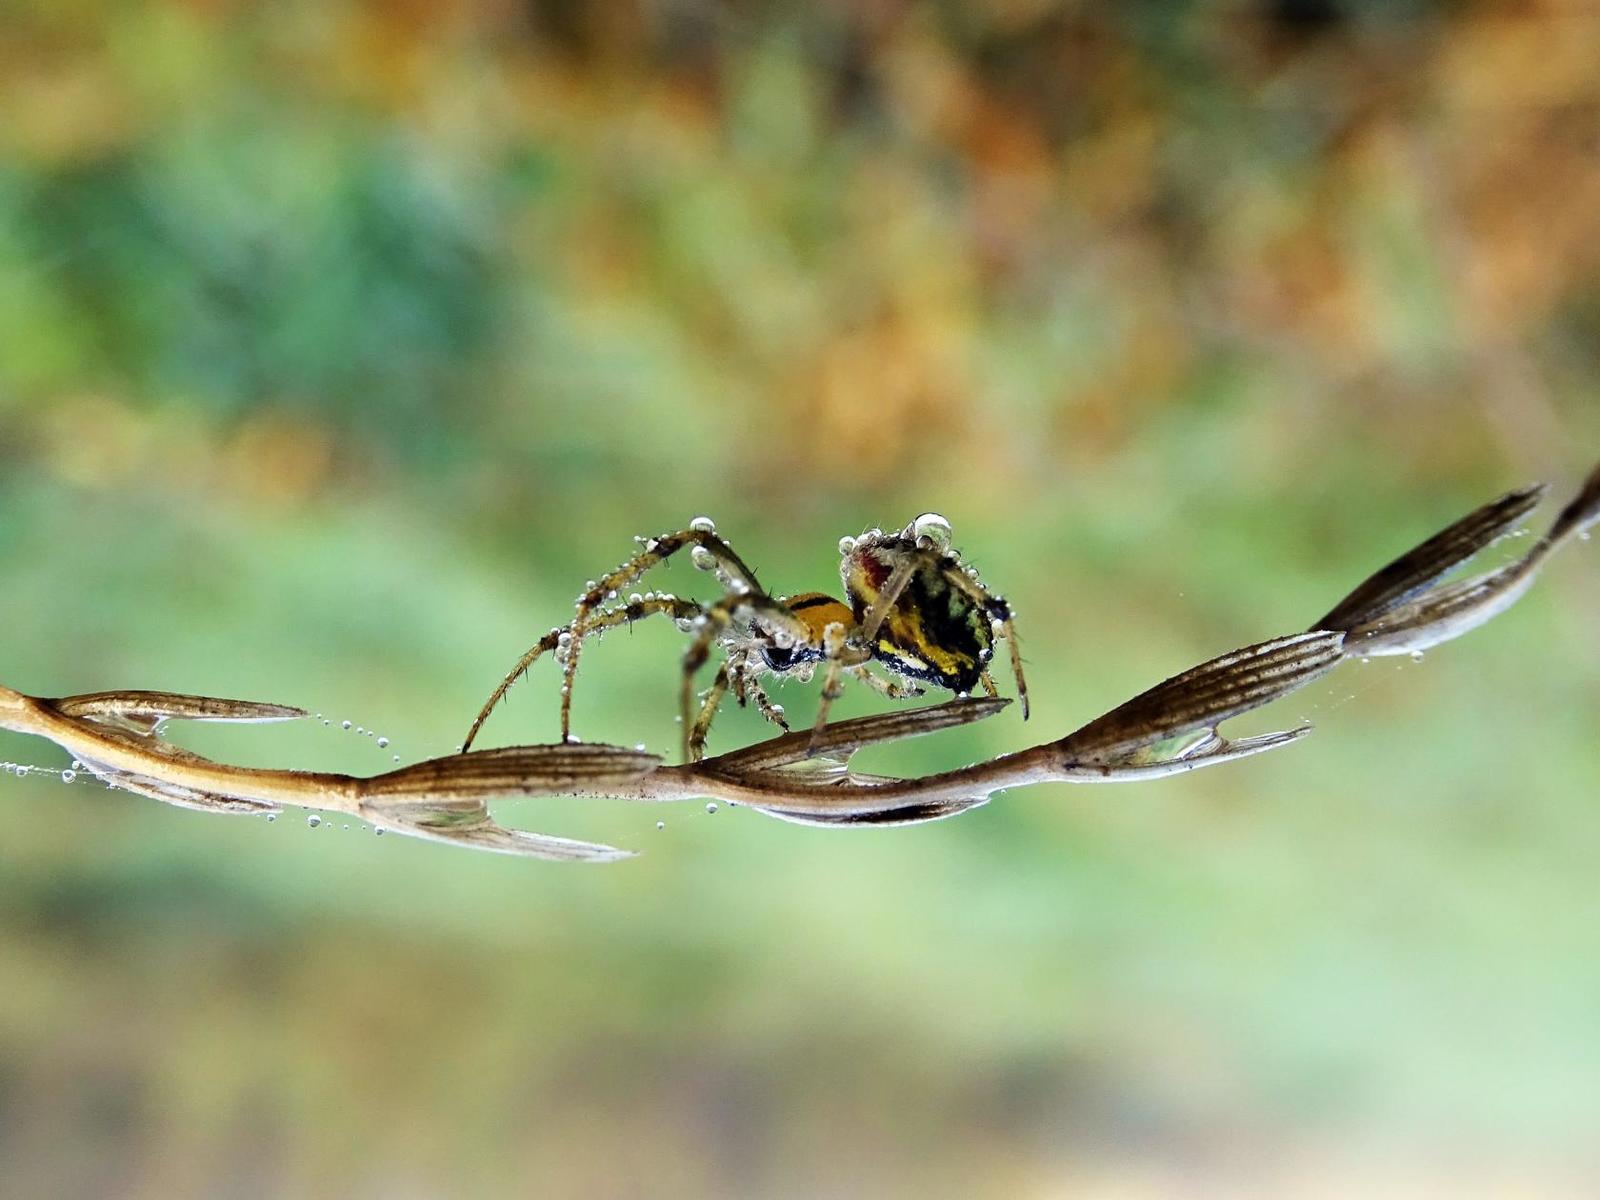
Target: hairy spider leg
x=634, y=610
x=894, y=689
x=998, y=610
x=713, y=622
x=656, y=550
x=709, y=705
x=841, y=656
x=742, y=680
x=888, y=595
x=763, y=702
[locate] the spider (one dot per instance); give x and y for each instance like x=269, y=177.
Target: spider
x=914, y=608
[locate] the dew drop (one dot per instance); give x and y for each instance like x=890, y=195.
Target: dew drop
x=1416, y=656
x=846, y=545
x=383, y=743
x=271, y=817
x=703, y=525
x=378, y=831
x=661, y=824
x=68, y=776
x=635, y=598
x=313, y=820
x=711, y=807
x=344, y=724
x=933, y=528
x=703, y=559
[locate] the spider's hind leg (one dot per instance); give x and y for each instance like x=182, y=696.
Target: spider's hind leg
x=1000, y=612
x=894, y=689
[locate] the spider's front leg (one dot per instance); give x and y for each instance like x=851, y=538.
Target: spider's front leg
x=634, y=610
x=712, y=624
x=716, y=554
x=708, y=711
x=841, y=655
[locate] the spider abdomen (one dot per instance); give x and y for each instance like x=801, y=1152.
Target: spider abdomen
x=936, y=632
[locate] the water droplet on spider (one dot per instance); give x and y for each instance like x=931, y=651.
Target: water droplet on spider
x=344, y=724
x=378, y=831
x=77, y=765
x=934, y=528
x=846, y=545
x=68, y=776
x=313, y=820
x=703, y=559
x=271, y=817
x=711, y=806
x=1416, y=656
x=635, y=598
x=703, y=525
x=383, y=743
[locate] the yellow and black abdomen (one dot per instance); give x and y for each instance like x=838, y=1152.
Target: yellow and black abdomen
x=936, y=632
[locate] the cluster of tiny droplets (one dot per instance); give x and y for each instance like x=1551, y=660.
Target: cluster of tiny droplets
x=352, y=727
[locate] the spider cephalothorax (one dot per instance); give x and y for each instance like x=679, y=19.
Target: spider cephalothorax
x=914, y=608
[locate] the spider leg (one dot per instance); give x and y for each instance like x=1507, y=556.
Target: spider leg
x=708, y=711
x=632, y=611
x=999, y=612
x=713, y=622
x=989, y=688
x=729, y=566
x=894, y=689
x=841, y=656
x=887, y=596
x=769, y=710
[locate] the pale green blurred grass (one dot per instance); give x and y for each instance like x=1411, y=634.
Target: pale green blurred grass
x=335, y=393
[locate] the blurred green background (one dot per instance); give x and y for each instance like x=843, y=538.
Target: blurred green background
x=341, y=342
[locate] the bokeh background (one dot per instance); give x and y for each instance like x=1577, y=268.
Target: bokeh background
x=341, y=342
